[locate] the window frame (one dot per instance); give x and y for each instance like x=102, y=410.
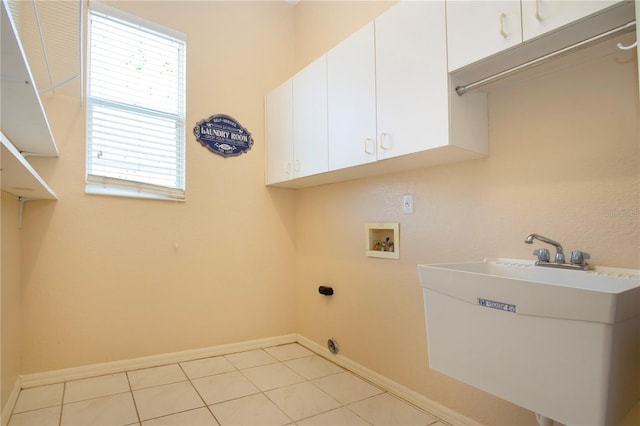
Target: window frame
x=96, y=183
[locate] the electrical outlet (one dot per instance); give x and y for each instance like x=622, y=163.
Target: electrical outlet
x=407, y=204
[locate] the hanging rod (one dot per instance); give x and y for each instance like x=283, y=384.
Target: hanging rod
x=461, y=90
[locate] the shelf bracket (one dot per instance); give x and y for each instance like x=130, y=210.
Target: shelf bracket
x=21, y=201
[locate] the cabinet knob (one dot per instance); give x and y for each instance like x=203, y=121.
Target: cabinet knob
x=538, y=15
x=369, y=142
x=503, y=33
x=385, y=141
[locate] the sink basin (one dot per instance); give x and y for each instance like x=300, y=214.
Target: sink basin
x=563, y=343
x=604, y=294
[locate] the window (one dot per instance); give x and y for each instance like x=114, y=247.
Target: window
x=135, y=107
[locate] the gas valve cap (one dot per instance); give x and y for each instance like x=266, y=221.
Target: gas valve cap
x=327, y=291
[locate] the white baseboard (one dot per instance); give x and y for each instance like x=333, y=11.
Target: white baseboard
x=75, y=373
x=444, y=413
x=11, y=402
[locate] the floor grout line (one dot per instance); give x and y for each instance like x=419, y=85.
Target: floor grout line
x=133, y=397
x=198, y=392
x=64, y=390
x=237, y=368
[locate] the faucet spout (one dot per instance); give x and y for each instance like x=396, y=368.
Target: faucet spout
x=559, y=252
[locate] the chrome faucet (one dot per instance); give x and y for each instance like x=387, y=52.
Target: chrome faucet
x=544, y=257
x=559, y=252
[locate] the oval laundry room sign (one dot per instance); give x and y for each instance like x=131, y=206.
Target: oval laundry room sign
x=223, y=135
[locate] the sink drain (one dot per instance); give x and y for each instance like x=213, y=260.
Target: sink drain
x=332, y=345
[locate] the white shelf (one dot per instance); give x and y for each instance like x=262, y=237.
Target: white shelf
x=19, y=178
x=25, y=129
x=23, y=120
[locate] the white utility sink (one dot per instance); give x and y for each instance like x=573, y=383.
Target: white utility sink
x=562, y=343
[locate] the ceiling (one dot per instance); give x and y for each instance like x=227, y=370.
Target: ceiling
x=50, y=35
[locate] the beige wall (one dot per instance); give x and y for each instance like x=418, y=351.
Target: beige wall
x=9, y=296
x=564, y=162
x=102, y=279
x=322, y=24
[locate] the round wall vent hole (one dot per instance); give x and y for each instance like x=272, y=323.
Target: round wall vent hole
x=332, y=345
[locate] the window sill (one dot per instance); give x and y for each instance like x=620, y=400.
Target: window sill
x=95, y=189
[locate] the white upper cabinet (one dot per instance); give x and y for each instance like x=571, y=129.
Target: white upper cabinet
x=279, y=133
x=351, y=83
x=478, y=29
x=388, y=87
x=296, y=125
x=542, y=16
x=390, y=105
x=310, y=149
x=411, y=79
x=522, y=30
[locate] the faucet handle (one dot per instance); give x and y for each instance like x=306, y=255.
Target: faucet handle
x=543, y=254
x=578, y=257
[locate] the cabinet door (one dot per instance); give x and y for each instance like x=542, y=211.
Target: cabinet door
x=310, y=149
x=540, y=16
x=411, y=74
x=279, y=133
x=478, y=29
x=352, y=100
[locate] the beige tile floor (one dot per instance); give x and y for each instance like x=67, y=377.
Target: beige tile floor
x=280, y=385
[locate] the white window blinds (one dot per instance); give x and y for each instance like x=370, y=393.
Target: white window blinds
x=135, y=109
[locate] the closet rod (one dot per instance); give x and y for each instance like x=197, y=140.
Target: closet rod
x=461, y=90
